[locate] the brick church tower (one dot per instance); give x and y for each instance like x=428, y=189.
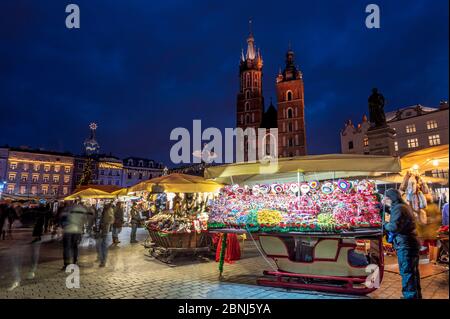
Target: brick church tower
x=291, y=114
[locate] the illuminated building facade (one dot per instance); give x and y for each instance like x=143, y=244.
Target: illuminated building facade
x=37, y=173
x=136, y=170
x=110, y=170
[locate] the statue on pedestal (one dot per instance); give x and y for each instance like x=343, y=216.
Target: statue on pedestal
x=376, y=109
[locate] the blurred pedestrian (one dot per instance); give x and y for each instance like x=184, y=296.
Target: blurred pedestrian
x=73, y=221
x=118, y=223
x=103, y=226
x=135, y=221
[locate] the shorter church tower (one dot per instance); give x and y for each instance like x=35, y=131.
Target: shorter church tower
x=291, y=110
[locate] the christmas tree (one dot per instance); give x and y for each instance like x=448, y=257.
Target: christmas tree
x=86, y=178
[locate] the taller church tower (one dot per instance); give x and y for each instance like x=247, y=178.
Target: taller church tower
x=250, y=101
x=291, y=110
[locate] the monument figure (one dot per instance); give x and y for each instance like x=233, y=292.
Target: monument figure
x=376, y=109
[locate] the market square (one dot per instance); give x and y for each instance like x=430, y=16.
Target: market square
x=187, y=166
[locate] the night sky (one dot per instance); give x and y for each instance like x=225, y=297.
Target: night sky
x=141, y=68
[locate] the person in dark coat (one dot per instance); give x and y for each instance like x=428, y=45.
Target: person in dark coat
x=3, y=214
x=103, y=225
x=118, y=223
x=73, y=220
x=402, y=225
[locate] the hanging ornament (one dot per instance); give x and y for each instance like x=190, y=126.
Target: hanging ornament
x=304, y=189
x=277, y=188
x=327, y=188
x=314, y=184
x=343, y=185
x=294, y=188
x=264, y=189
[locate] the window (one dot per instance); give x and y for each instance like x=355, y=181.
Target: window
x=57, y=168
x=411, y=128
x=247, y=119
x=35, y=178
x=55, y=178
x=413, y=143
x=396, y=146
x=67, y=169
x=24, y=177
x=47, y=168
x=289, y=127
x=129, y=175
x=66, y=179
x=23, y=190
x=54, y=190
x=434, y=140
x=46, y=178
x=12, y=177
x=247, y=94
x=432, y=124
x=290, y=142
x=34, y=189
x=366, y=141
x=10, y=188
x=140, y=175
x=36, y=167
x=26, y=166
x=102, y=172
x=65, y=190
x=13, y=165
x=350, y=145
x=247, y=106
x=290, y=113
x=248, y=80
x=141, y=163
x=289, y=95
x=117, y=183
x=80, y=165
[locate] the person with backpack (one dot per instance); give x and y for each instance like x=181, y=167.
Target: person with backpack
x=402, y=229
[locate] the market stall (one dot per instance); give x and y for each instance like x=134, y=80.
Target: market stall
x=319, y=218
x=179, y=206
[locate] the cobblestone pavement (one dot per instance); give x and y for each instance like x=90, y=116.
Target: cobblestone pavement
x=131, y=274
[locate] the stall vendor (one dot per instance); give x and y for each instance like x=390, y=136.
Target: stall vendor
x=402, y=225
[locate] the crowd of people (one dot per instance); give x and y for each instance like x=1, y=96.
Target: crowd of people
x=69, y=223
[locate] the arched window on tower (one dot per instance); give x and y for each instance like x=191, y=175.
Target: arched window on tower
x=247, y=106
x=290, y=113
x=247, y=94
x=247, y=119
x=248, y=80
x=289, y=95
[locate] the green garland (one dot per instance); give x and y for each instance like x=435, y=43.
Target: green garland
x=222, y=253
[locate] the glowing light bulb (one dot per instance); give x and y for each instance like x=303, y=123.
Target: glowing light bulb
x=415, y=167
x=435, y=163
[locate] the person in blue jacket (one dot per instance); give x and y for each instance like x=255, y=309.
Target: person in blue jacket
x=402, y=225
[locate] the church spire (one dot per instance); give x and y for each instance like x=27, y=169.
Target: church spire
x=251, y=52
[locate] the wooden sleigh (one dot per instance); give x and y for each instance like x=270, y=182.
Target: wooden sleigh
x=325, y=267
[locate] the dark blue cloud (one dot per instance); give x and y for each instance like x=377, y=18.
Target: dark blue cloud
x=141, y=68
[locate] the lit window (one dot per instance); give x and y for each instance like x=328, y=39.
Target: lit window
x=55, y=179
x=12, y=177
x=434, y=140
x=411, y=128
x=54, y=190
x=11, y=188
x=47, y=168
x=432, y=124
x=66, y=179
x=23, y=190
x=396, y=146
x=13, y=165
x=46, y=178
x=34, y=189
x=36, y=167
x=57, y=168
x=366, y=141
x=67, y=169
x=65, y=190
x=26, y=166
x=413, y=143
x=44, y=189
x=24, y=177
x=35, y=178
